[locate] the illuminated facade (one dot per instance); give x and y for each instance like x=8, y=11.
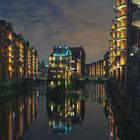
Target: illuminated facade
x=78, y=61
x=119, y=68
x=34, y=62
x=6, y=47
x=100, y=68
x=27, y=60
x=60, y=63
x=106, y=64
x=121, y=41
x=31, y=66
x=17, y=59
x=114, y=58
x=95, y=69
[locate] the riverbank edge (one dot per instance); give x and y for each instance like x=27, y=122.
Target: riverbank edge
x=8, y=89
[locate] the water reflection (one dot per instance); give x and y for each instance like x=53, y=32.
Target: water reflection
x=17, y=114
x=122, y=123
x=90, y=111
x=95, y=92
x=65, y=112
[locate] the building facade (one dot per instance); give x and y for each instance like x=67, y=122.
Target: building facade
x=34, y=62
x=18, y=57
x=60, y=63
x=78, y=61
x=95, y=69
x=6, y=47
x=43, y=70
x=122, y=41
x=18, y=60
x=27, y=60
x=106, y=64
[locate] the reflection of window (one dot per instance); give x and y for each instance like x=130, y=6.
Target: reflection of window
x=118, y=2
x=123, y=33
x=54, y=58
x=118, y=24
x=123, y=44
x=123, y=59
x=60, y=58
x=123, y=1
x=9, y=67
x=118, y=14
x=9, y=35
x=50, y=58
x=123, y=11
x=123, y=22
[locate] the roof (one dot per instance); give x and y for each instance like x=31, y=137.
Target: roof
x=61, y=50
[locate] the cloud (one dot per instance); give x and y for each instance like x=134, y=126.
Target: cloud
x=49, y=22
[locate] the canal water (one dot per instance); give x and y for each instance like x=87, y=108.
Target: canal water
x=90, y=112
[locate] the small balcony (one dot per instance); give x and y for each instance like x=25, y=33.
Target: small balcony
x=137, y=2
x=136, y=19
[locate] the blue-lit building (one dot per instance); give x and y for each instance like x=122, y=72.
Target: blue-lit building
x=60, y=63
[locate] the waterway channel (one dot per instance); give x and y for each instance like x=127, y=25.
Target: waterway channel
x=89, y=112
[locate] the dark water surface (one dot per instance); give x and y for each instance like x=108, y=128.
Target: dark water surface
x=86, y=113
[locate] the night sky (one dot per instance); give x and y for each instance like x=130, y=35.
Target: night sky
x=46, y=23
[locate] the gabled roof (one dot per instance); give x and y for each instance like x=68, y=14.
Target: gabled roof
x=61, y=50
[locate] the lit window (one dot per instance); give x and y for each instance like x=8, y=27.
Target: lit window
x=9, y=35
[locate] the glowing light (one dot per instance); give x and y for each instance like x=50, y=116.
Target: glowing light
x=9, y=35
x=52, y=83
x=136, y=23
x=120, y=7
x=122, y=17
x=112, y=134
x=51, y=107
x=9, y=54
x=131, y=54
x=62, y=51
x=9, y=60
x=10, y=67
x=13, y=114
x=20, y=44
x=137, y=2
x=9, y=48
x=118, y=65
x=20, y=69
